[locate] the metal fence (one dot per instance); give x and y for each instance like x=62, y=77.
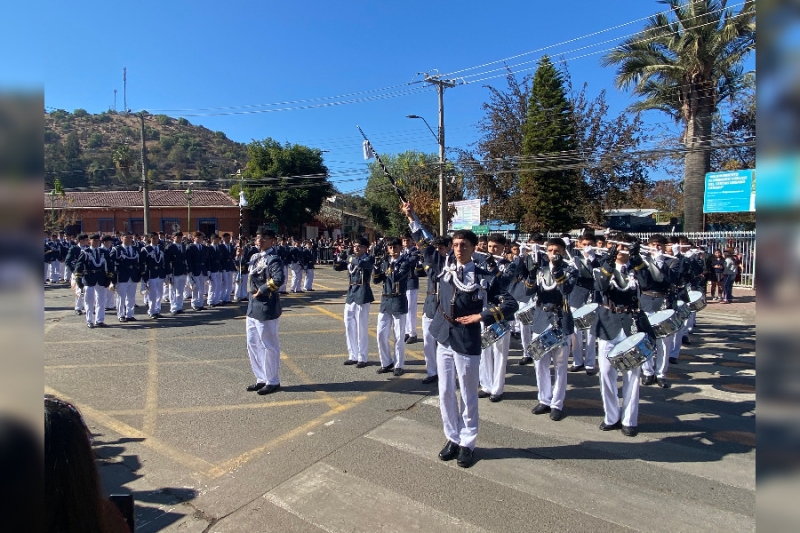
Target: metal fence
x=742, y=242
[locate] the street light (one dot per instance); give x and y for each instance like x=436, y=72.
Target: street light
x=442, y=185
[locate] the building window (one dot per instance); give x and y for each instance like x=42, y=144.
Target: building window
x=105, y=225
x=74, y=229
x=136, y=226
x=207, y=226
x=170, y=225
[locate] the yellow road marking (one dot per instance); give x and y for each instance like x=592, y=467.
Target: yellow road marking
x=195, y=464
x=330, y=400
x=151, y=394
x=221, y=408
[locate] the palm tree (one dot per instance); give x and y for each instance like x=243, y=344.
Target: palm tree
x=684, y=63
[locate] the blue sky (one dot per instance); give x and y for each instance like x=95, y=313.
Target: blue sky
x=183, y=55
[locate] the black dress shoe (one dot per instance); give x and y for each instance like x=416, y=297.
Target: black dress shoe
x=591, y=371
x=350, y=362
x=629, y=431
x=556, y=415
x=431, y=379
x=685, y=340
x=610, y=427
x=412, y=339
x=673, y=360
x=449, y=452
x=398, y=372
x=268, y=389
x=101, y=325
x=131, y=319
x=465, y=457
x=540, y=409
x=361, y=364
x=78, y=312
x=385, y=369
x=662, y=382
x=122, y=319
x=526, y=360
x=496, y=398
x=405, y=339
x=483, y=394
x=579, y=368
x=255, y=386
x=90, y=325
x=648, y=380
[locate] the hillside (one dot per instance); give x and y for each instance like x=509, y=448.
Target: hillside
x=102, y=152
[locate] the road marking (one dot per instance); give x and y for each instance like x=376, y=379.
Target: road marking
x=307, y=381
x=342, y=503
x=222, y=408
x=195, y=464
x=151, y=394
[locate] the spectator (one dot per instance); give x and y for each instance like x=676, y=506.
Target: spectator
x=717, y=268
x=728, y=277
x=73, y=500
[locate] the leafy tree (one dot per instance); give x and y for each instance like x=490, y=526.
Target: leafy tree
x=95, y=140
x=737, y=131
x=124, y=160
x=685, y=64
x=183, y=122
x=163, y=119
x=550, y=190
x=290, y=183
x=80, y=113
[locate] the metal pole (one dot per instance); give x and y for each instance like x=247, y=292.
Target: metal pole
x=189, y=210
x=145, y=186
x=442, y=186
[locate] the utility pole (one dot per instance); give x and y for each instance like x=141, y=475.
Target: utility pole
x=145, y=185
x=125, y=89
x=441, y=84
x=115, y=100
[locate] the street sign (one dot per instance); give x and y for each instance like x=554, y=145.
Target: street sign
x=729, y=192
x=480, y=230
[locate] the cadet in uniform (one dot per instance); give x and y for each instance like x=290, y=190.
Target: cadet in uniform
x=93, y=270
x=197, y=265
x=71, y=261
x=309, y=258
x=228, y=269
x=128, y=268
x=359, y=266
x=393, y=274
x=175, y=256
x=263, y=312
x=582, y=294
x=412, y=292
x=154, y=273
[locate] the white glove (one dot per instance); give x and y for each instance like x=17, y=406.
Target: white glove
x=676, y=249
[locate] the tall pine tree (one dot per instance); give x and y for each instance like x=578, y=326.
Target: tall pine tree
x=550, y=191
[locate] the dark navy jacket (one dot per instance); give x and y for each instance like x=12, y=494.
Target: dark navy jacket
x=266, y=277
x=552, y=304
x=197, y=259
x=394, y=277
x=154, y=262
x=176, y=259
x=127, y=266
x=360, y=270
x=93, y=268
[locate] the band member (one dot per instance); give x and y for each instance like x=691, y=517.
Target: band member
x=128, y=269
x=296, y=268
x=241, y=263
x=263, y=312
x=483, y=244
x=175, y=258
x=214, y=272
x=197, y=264
x=104, y=290
x=309, y=258
x=554, y=283
x=284, y=252
x=412, y=292
x=71, y=261
x=582, y=294
x=92, y=270
x=618, y=317
x=468, y=296
x=393, y=274
x=228, y=269
x=154, y=273
x=655, y=281
x=359, y=266
x=534, y=257
x=52, y=254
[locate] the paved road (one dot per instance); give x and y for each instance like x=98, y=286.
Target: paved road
x=341, y=449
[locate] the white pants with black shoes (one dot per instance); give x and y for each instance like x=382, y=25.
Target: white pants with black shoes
x=126, y=298
x=356, y=329
x=583, y=355
x=296, y=283
x=660, y=364
x=176, y=290
x=388, y=323
x=227, y=286
x=264, y=350
x=198, y=290
x=629, y=414
x=411, y=322
x=459, y=417
x=94, y=304
x=155, y=291
x=551, y=392
x=429, y=347
x=240, y=287
x=309, y=282
x=493, y=366
x=214, y=288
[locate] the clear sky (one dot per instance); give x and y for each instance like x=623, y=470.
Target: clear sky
x=184, y=56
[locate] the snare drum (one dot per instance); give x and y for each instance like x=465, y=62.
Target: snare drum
x=664, y=323
x=585, y=316
x=683, y=311
x=525, y=314
x=494, y=333
x=632, y=352
x=697, y=301
x=550, y=339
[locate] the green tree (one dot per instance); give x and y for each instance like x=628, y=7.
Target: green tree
x=685, y=64
x=124, y=160
x=95, y=140
x=550, y=191
x=289, y=183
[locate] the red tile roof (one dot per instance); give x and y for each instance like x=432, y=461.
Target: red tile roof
x=171, y=198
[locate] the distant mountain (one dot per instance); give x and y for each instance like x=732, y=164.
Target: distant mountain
x=102, y=152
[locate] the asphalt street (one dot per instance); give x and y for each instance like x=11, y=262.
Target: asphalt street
x=341, y=449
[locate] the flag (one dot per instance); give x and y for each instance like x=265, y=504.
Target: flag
x=242, y=199
x=368, y=152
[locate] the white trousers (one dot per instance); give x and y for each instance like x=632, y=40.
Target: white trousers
x=525, y=336
x=126, y=298
x=47, y=271
x=264, y=350
x=309, y=279
x=429, y=346
x=583, y=355
x=240, y=288
x=108, y=297
x=411, y=322
x=227, y=286
x=356, y=324
x=79, y=301
x=608, y=387
x=94, y=301
x=176, y=289
x=550, y=393
x=660, y=365
x=285, y=278
x=387, y=323
x=198, y=290
x=676, y=341
x=459, y=418
x=692, y=321
x=155, y=292
x=55, y=271
x=493, y=366
x=296, y=283
x=214, y=288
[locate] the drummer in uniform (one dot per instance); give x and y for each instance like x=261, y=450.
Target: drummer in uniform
x=618, y=317
x=554, y=283
x=583, y=294
x=534, y=256
x=359, y=265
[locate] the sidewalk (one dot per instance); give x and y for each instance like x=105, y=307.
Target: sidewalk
x=743, y=308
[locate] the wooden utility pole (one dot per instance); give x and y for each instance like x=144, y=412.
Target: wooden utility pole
x=441, y=85
x=145, y=185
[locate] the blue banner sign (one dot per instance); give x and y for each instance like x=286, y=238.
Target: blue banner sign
x=729, y=192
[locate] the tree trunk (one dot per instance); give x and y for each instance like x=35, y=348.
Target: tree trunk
x=696, y=163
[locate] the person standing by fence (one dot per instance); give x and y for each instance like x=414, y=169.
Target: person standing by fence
x=728, y=277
